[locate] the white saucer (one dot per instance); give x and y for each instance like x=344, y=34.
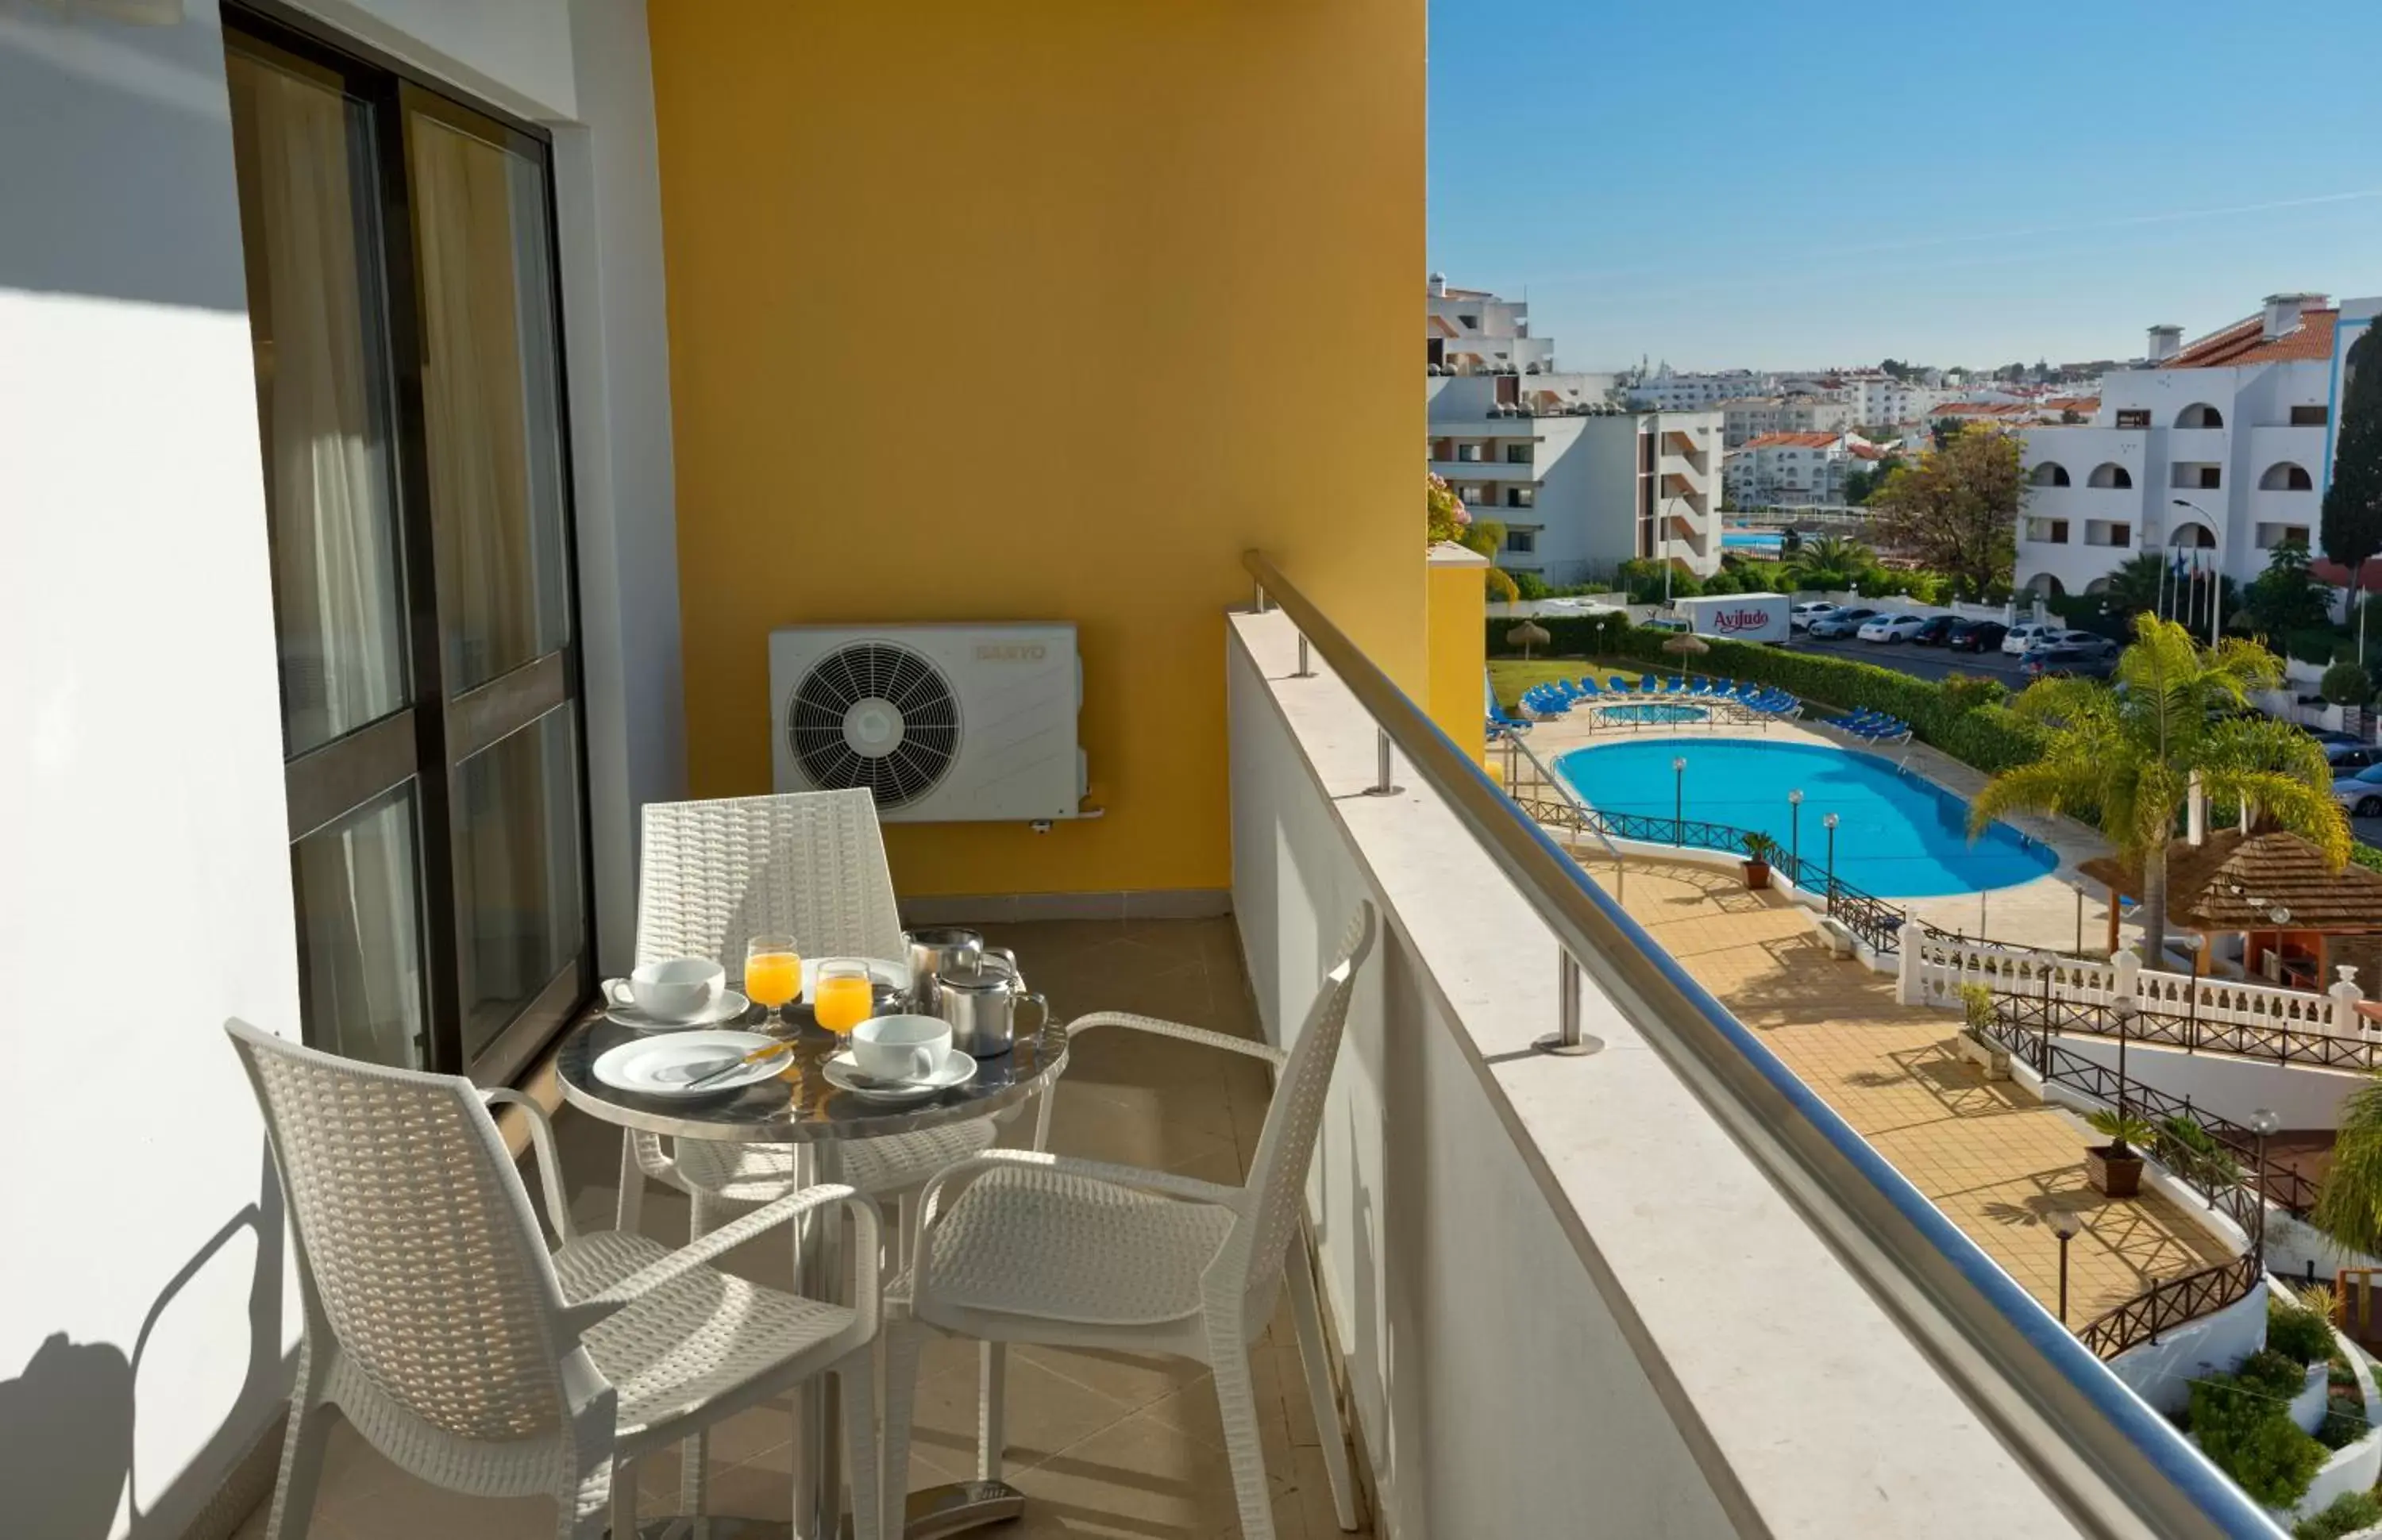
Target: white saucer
x=729, y=1007
x=663, y=1066
x=843, y=1072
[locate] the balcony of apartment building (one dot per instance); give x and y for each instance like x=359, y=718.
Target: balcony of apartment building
x=459, y=694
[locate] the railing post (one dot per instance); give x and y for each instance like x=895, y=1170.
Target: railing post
x=1263, y=604
x=1567, y=1039
x=1306, y=670
x=1383, y=785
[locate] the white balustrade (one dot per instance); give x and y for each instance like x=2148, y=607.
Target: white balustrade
x=1936, y=966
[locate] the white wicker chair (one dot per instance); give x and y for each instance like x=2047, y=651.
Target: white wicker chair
x=810, y=864
x=437, y=1322
x=1041, y=1248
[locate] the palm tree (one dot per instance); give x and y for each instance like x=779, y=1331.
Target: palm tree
x=2124, y=754
x=2349, y=1203
x=1831, y=562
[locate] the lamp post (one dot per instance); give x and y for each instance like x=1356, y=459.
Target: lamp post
x=1830, y=824
x=1679, y=799
x=1795, y=825
x=2216, y=587
x=2263, y=1123
x=2064, y=1223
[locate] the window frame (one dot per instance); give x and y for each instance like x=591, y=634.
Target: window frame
x=425, y=743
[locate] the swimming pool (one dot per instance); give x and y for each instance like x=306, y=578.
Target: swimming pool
x=1653, y=711
x=1898, y=836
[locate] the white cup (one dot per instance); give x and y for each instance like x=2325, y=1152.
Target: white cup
x=678, y=989
x=901, y=1047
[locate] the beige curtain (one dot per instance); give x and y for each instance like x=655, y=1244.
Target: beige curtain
x=487, y=352
x=322, y=416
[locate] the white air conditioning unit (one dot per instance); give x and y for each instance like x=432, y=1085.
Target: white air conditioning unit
x=942, y=723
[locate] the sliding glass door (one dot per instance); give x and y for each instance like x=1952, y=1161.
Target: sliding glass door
x=400, y=275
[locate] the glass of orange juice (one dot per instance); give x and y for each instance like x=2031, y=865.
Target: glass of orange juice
x=842, y=996
x=773, y=975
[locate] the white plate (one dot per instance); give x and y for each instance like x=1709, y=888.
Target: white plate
x=729, y=1007
x=894, y=975
x=662, y=1066
x=842, y=1072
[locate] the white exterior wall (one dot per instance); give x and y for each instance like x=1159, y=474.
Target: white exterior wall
x=147, y=763
x=2246, y=519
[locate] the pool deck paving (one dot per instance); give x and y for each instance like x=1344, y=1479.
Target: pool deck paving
x=1996, y=1160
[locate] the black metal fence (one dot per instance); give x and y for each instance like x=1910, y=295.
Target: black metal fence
x=2219, y=1158
x=2164, y=1307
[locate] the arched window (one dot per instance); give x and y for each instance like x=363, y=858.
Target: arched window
x=2200, y=414
x=2049, y=473
x=2110, y=474
x=2098, y=586
x=2045, y=585
x=2191, y=535
x=2285, y=476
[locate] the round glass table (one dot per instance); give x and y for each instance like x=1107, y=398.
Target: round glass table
x=800, y=1108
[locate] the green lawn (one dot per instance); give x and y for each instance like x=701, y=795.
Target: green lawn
x=1510, y=677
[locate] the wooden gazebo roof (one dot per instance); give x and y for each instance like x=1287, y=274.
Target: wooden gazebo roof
x=2210, y=885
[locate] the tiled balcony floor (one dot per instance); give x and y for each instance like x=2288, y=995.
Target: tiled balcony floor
x=1102, y=1444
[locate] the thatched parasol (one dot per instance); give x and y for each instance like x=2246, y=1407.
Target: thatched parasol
x=1686, y=644
x=1527, y=635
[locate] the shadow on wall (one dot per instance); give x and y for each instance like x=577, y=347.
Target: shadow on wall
x=114, y=133
x=66, y=1449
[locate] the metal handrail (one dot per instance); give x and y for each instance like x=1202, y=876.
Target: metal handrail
x=2115, y=1465
x=2164, y=1307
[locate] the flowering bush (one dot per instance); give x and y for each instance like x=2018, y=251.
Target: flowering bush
x=1447, y=518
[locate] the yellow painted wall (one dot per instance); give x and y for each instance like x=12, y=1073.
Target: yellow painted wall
x=1459, y=645
x=1043, y=310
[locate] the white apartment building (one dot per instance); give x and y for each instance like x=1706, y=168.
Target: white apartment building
x=1750, y=417
x=1796, y=470
x=1669, y=391
x=2222, y=445
x=1580, y=489
x=1472, y=331
x=1879, y=399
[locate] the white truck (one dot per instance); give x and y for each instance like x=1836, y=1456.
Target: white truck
x=1736, y=616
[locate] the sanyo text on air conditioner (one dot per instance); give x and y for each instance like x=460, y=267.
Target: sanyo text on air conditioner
x=942, y=723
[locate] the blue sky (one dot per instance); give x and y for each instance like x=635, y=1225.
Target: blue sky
x=1758, y=184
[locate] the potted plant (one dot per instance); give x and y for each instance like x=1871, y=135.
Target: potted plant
x=1759, y=848
x=1976, y=1016
x=2114, y=1169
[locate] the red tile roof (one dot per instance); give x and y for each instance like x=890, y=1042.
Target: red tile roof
x=2082, y=405
x=2245, y=342
x=1795, y=441
x=1986, y=408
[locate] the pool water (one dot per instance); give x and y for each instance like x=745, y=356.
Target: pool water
x=1898, y=835
x=1653, y=711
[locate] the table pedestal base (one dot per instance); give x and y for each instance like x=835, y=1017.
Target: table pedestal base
x=957, y=1509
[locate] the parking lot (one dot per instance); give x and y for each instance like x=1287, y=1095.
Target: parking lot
x=1925, y=663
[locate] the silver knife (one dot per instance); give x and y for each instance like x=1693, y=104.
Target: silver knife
x=735, y=1064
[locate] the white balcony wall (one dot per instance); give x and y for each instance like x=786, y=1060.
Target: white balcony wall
x=146, y=1305
x=1519, y=1251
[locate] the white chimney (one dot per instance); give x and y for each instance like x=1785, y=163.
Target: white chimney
x=2283, y=312
x=2166, y=342
x=1438, y=285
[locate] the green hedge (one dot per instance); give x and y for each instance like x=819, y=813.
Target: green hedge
x=1963, y=717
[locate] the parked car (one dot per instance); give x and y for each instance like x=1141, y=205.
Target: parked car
x=2024, y=635
x=2351, y=757
x=2361, y=794
x=1977, y=636
x=2056, y=638
x=1935, y=631
x=2329, y=736
x=1801, y=617
x=1891, y=627
x=1843, y=622
x=2067, y=660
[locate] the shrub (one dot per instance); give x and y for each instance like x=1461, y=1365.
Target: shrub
x=2314, y=646
x=1977, y=1007
x=2272, y=1373
x=2120, y=1127
x=2296, y=1332
x=1966, y=692
x=2344, y=1421
x=2196, y=1154
x=2251, y=1437
x=1528, y=585
x=2366, y=856
x=2345, y=684
x=2350, y=1512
